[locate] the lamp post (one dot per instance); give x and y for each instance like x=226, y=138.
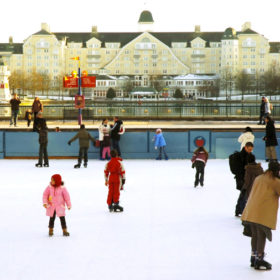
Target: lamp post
x=80, y=117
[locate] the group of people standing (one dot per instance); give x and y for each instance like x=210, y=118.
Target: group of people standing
x=257, y=203
x=37, y=106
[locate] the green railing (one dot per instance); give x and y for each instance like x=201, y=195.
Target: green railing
x=146, y=111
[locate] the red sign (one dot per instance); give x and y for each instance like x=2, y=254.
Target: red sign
x=79, y=101
x=88, y=82
x=72, y=82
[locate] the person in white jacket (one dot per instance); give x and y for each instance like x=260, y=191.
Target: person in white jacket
x=246, y=136
x=103, y=128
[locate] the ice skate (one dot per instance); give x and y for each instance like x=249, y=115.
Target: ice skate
x=46, y=165
x=261, y=264
x=166, y=158
x=117, y=207
x=111, y=208
x=253, y=259
x=158, y=158
x=85, y=165
x=50, y=231
x=65, y=232
x=38, y=164
x=77, y=165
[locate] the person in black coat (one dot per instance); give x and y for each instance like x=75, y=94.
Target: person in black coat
x=115, y=134
x=15, y=109
x=270, y=140
x=42, y=129
x=240, y=175
x=262, y=111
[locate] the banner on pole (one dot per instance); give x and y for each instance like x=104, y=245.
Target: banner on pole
x=73, y=82
x=79, y=101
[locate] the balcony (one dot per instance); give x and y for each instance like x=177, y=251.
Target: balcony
x=196, y=55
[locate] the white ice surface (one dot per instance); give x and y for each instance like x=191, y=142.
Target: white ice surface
x=168, y=231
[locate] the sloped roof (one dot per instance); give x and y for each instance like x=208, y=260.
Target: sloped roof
x=248, y=31
x=16, y=48
x=42, y=32
x=274, y=47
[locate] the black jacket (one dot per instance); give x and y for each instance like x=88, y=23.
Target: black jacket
x=15, y=103
x=270, y=135
x=39, y=123
x=262, y=107
x=115, y=130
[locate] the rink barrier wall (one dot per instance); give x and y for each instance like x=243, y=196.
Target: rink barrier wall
x=134, y=144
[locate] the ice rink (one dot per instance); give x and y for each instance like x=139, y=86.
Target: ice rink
x=168, y=231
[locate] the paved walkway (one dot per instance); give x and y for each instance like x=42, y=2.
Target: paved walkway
x=149, y=124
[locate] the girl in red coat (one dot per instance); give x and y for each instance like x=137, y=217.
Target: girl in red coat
x=54, y=199
x=199, y=159
x=114, y=178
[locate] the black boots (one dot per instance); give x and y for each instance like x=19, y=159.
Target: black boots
x=41, y=165
x=77, y=165
x=261, y=264
x=117, y=207
x=50, y=231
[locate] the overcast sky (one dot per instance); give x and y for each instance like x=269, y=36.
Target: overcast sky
x=21, y=18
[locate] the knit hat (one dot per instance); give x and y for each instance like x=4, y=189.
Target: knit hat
x=57, y=179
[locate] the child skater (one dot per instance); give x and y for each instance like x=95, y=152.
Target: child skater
x=160, y=143
x=114, y=178
x=54, y=199
x=199, y=160
x=28, y=116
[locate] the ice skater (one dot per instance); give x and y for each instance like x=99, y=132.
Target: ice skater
x=199, y=160
x=28, y=116
x=260, y=214
x=54, y=199
x=160, y=144
x=84, y=138
x=115, y=179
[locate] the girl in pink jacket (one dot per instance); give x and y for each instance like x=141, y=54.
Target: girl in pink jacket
x=54, y=199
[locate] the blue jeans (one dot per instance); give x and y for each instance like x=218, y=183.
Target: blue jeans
x=162, y=150
x=14, y=117
x=116, y=146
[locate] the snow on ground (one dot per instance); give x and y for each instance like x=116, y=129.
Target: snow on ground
x=168, y=231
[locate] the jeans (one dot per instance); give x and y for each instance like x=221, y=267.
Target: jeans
x=199, y=176
x=14, y=117
x=83, y=153
x=116, y=146
x=62, y=221
x=43, y=153
x=241, y=203
x=162, y=150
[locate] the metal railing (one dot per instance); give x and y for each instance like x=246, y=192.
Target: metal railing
x=146, y=111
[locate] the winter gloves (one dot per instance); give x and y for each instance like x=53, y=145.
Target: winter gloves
x=69, y=143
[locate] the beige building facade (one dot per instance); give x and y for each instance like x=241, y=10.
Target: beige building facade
x=142, y=54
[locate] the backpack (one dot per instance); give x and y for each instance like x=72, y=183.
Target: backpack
x=234, y=162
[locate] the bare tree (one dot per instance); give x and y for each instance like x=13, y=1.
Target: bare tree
x=127, y=87
x=157, y=83
x=272, y=80
x=18, y=80
x=243, y=82
x=227, y=81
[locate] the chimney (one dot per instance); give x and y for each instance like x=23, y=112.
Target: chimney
x=45, y=26
x=197, y=29
x=94, y=29
x=246, y=25
x=11, y=40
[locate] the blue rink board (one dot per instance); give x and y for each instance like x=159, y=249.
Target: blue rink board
x=134, y=145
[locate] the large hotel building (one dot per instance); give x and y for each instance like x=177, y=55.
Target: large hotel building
x=180, y=59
